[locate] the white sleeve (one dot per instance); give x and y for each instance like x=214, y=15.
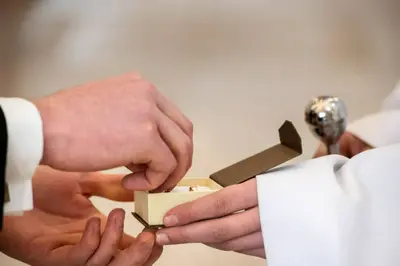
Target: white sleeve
x=25, y=150
x=333, y=211
x=383, y=128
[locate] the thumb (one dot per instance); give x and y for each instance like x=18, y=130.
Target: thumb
x=107, y=186
x=157, y=250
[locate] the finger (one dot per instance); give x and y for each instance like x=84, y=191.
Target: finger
x=223, y=202
x=107, y=186
x=358, y=146
x=80, y=253
x=181, y=146
x=155, y=255
x=157, y=250
x=247, y=242
x=110, y=239
x=212, y=231
x=172, y=111
x=321, y=151
x=254, y=252
x=138, y=253
x=160, y=162
x=126, y=241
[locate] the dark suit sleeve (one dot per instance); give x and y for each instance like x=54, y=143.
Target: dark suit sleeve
x=3, y=162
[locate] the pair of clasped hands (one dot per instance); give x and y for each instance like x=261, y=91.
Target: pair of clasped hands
x=124, y=121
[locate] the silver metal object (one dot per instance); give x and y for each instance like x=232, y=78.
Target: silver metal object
x=326, y=117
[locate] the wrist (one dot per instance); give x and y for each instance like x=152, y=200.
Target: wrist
x=49, y=133
x=41, y=107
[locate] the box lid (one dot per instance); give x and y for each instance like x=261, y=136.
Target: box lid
x=290, y=146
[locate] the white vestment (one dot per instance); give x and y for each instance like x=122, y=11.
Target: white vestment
x=334, y=211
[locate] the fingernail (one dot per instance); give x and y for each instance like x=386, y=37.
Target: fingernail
x=170, y=220
x=162, y=239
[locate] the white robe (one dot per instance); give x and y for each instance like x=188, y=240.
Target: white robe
x=334, y=211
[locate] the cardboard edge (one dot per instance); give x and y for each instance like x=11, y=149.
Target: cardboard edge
x=144, y=223
x=290, y=137
x=147, y=226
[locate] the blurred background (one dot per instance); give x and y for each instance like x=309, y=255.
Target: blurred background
x=238, y=69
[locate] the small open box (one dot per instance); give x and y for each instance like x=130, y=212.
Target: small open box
x=150, y=208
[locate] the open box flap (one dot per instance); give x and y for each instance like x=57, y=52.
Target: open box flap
x=290, y=147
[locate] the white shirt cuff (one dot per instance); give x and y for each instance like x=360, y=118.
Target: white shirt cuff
x=25, y=150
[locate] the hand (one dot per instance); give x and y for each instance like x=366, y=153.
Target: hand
x=214, y=221
x=123, y=121
x=65, y=229
x=350, y=146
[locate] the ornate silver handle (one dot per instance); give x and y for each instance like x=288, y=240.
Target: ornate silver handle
x=326, y=117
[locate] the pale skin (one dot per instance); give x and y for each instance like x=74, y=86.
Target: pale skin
x=65, y=228
x=121, y=121
x=212, y=220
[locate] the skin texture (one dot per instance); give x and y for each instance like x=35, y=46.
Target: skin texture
x=212, y=220
x=223, y=229
x=121, y=121
x=64, y=228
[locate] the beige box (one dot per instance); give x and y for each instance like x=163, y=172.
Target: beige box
x=150, y=208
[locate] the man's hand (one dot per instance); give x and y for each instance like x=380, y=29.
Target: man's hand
x=350, y=146
x=65, y=229
x=123, y=121
x=227, y=220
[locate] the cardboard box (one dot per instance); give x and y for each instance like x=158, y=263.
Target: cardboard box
x=150, y=208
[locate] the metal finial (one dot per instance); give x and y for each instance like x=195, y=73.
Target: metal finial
x=326, y=117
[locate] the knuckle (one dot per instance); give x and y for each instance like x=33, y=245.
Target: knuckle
x=147, y=116
x=225, y=246
x=180, y=236
x=192, y=213
x=221, y=205
x=148, y=125
x=186, y=147
x=172, y=164
x=189, y=127
x=220, y=233
x=149, y=130
x=147, y=109
x=91, y=245
x=148, y=88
